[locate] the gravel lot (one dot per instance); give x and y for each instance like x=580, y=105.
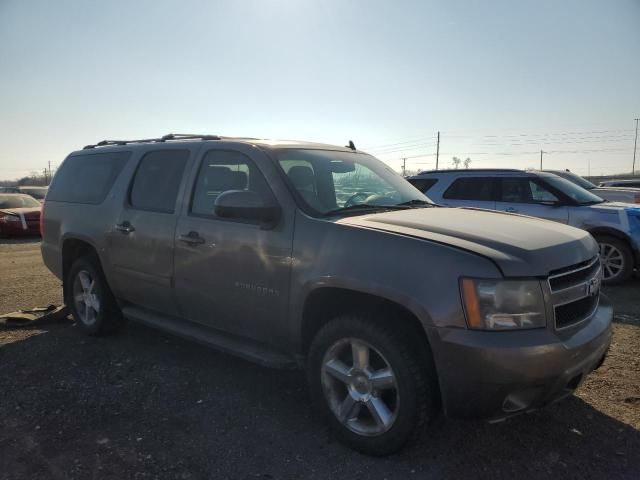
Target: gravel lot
x=141, y=404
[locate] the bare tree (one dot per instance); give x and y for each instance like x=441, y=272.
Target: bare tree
x=467, y=162
x=456, y=162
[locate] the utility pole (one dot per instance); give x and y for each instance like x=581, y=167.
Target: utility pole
x=404, y=166
x=49, y=172
x=635, y=146
x=541, y=152
x=438, y=149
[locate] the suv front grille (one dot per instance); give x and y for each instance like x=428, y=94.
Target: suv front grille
x=575, y=312
x=575, y=292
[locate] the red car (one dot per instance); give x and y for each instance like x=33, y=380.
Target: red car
x=19, y=215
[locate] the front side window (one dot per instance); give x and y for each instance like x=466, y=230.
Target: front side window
x=540, y=194
x=331, y=182
x=221, y=171
x=157, y=181
x=573, y=191
x=471, y=188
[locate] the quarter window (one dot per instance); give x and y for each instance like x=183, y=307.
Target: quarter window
x=87, y=178
x=220, y=172
x=470, y=188
x=157, y=180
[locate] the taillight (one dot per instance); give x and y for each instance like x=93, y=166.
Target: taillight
x=42, y=220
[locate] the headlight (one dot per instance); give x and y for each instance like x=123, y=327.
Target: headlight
x=503, y=304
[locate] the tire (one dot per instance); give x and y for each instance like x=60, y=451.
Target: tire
x=410, y=397
x=89, y=298
x=617, y=259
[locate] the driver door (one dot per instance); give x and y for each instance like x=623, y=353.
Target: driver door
x=231, y=275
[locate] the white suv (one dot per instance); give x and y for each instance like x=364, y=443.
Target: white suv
x=616, y=226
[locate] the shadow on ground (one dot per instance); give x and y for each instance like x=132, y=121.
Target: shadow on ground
x=141, y=404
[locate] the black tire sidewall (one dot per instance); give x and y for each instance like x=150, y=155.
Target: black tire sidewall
x=412, y=401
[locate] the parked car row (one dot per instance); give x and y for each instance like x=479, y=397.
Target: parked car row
x=614, y=225
x=294, y=254
x=39, y=193
x=19, y=215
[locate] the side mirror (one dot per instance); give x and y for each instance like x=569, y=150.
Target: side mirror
x=246, y=205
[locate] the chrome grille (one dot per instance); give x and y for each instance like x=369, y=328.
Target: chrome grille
x=575, y=292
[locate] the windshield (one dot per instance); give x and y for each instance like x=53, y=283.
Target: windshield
x=577, y=179
x=18, y=201
x=330, y=182
x=577, y=193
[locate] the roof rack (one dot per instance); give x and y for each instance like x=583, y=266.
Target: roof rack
x=462, y=170
x=165, y=138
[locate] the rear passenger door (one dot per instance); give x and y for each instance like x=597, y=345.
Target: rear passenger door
x=468, y=191
x=232, y=275
x=527, y=196
x=141, y=242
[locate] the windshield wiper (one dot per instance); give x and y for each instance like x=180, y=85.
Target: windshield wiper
x=365, y=206
x=417, y=202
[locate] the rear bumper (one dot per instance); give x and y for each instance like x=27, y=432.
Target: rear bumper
x=493, y=375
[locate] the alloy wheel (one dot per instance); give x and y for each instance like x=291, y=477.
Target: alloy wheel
x=612, y=261
x=360, y=387
x=85, y=298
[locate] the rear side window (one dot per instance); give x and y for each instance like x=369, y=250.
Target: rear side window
x=87, y=178
x=423, y=184
x=471, y=188
x=221, y=171
x=157, y=181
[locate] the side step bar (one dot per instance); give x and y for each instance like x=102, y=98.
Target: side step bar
x=246, y=349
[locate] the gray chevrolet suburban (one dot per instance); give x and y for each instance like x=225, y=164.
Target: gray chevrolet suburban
x=295, y=254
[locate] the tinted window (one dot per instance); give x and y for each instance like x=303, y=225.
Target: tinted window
x=222, y=171
x=157, y=180
x=87, y=178
x=523, y=190
x=472, y=188
x=423, y=184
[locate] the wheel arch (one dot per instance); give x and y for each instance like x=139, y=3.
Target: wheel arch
x=324, y=303
x=73, y=248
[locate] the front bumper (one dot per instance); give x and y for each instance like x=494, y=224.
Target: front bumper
x=493, y=375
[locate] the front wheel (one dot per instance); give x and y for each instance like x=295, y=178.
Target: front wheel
x=370, y=382
x=616, y=258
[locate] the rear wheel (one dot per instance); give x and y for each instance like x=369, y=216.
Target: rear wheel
x=370, y=382
x=616, y=258
x=89, y=298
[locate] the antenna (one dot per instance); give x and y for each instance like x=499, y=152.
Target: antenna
x=351, y=145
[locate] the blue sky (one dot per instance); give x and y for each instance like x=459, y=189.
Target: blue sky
x=500, y=79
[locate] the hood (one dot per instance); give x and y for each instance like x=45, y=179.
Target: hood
x=613, y=207
x=28, y=212
x=519, y=245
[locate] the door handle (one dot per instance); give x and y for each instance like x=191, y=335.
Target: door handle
x=125, y=227
x=192, y=238
x=511, y=210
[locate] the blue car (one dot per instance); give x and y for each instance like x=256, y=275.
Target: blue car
x=616, y=226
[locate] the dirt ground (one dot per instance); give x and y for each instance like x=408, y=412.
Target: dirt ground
x=142, y=404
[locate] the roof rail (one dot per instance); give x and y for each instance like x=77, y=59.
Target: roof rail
x=462, y=170
x=165, y=138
